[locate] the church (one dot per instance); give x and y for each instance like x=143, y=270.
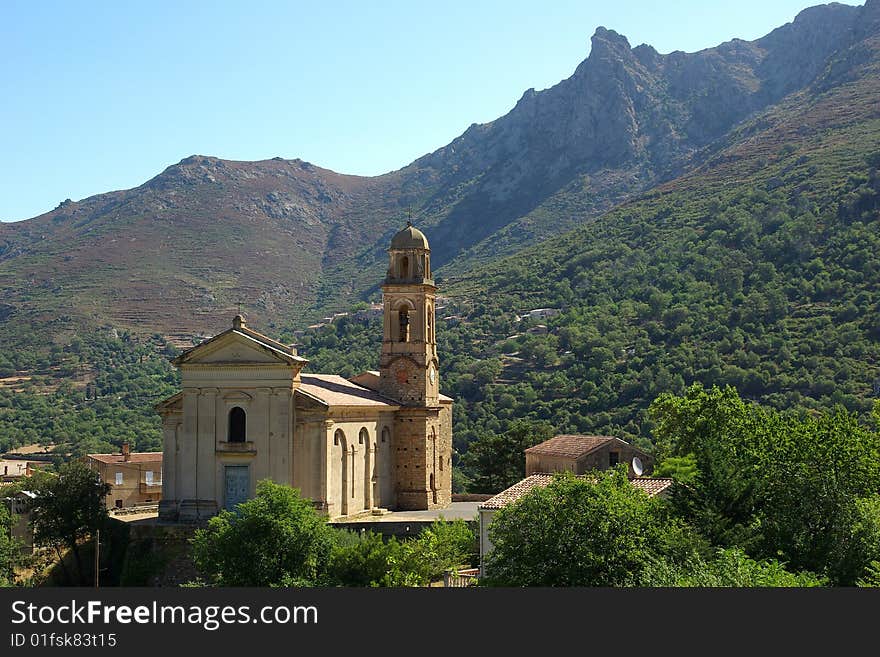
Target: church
x=247, y=411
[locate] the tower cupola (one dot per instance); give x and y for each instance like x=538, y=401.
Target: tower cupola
x=409, y=257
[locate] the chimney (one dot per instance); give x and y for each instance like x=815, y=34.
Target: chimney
x=126, y=452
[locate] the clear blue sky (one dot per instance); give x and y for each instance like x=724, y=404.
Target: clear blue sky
x=98, y=96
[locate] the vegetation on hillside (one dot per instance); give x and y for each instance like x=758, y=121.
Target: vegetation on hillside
x=89, y=395
x=771, y=288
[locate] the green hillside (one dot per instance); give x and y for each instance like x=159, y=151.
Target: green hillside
x=762, y=273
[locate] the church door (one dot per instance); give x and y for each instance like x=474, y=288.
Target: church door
x=237, y=485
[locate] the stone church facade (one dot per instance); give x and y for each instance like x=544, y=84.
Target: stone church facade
x=248, y=412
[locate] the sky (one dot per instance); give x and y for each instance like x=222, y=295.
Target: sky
x=100, y=96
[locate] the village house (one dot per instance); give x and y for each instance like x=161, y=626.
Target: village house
x=20, y=505
x=13, y=470
x=135, y=478
x=579, y=455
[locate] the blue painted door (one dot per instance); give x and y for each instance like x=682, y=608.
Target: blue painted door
x=237, y=485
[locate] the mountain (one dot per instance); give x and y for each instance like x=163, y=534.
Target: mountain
x=288, y=239
x=757, y=267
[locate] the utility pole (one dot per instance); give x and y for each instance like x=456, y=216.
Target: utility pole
x=97, y=556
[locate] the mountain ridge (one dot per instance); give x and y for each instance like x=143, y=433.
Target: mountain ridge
x=287, y=237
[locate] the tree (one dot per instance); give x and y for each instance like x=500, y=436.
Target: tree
x=497, y=461
x=274, y=539
x=368, y=560
x=777, y=484
x=583, y=532
x=68, y=509
x=10, y=553
x=729, y=567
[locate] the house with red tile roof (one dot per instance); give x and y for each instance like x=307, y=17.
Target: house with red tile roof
x=135, y=478
x=579, y=455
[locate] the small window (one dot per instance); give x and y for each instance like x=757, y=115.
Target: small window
x=237, y=425
x=118, y=478
x=118, y=504
x=613, y=459
x=149, y=477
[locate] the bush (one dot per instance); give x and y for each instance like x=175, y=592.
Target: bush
x=275, y=539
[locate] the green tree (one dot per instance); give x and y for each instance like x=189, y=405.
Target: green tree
x=729, y=567
x=275, y=539
x=10, y=553
x=68, y=509
x=368, y=560
x=362, y=560
x=777, y=484
x=497, y=461
x=582, y=532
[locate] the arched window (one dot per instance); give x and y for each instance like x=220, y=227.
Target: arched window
x=237, y=425
x=403, y=315
x=404, y=268
x=364, y=436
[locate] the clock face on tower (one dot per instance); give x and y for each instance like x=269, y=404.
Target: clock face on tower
x=405, y=375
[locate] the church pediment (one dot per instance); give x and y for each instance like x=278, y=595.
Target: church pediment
x=240, y=346
x=237, y=349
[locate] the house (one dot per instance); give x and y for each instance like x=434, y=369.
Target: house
x=135, y=477
x=539, y=313
x=654, y=487
x=580, y=454
x=13, y=470
x=20, y=505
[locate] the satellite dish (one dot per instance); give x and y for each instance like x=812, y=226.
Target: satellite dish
x=637, y=466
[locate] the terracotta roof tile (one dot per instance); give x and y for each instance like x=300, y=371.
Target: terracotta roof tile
x=335, y=390
x=136, y=457
x=650, y=485
x=516, y=491
x=570, y=446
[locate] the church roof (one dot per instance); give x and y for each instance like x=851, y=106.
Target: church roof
x=335, y=390
x=409, y=238
x=650, y=485
x=370, y=379
x=174, y=402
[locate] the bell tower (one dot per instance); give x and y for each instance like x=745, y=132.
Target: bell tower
x=408, y=364
x=409, y=375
